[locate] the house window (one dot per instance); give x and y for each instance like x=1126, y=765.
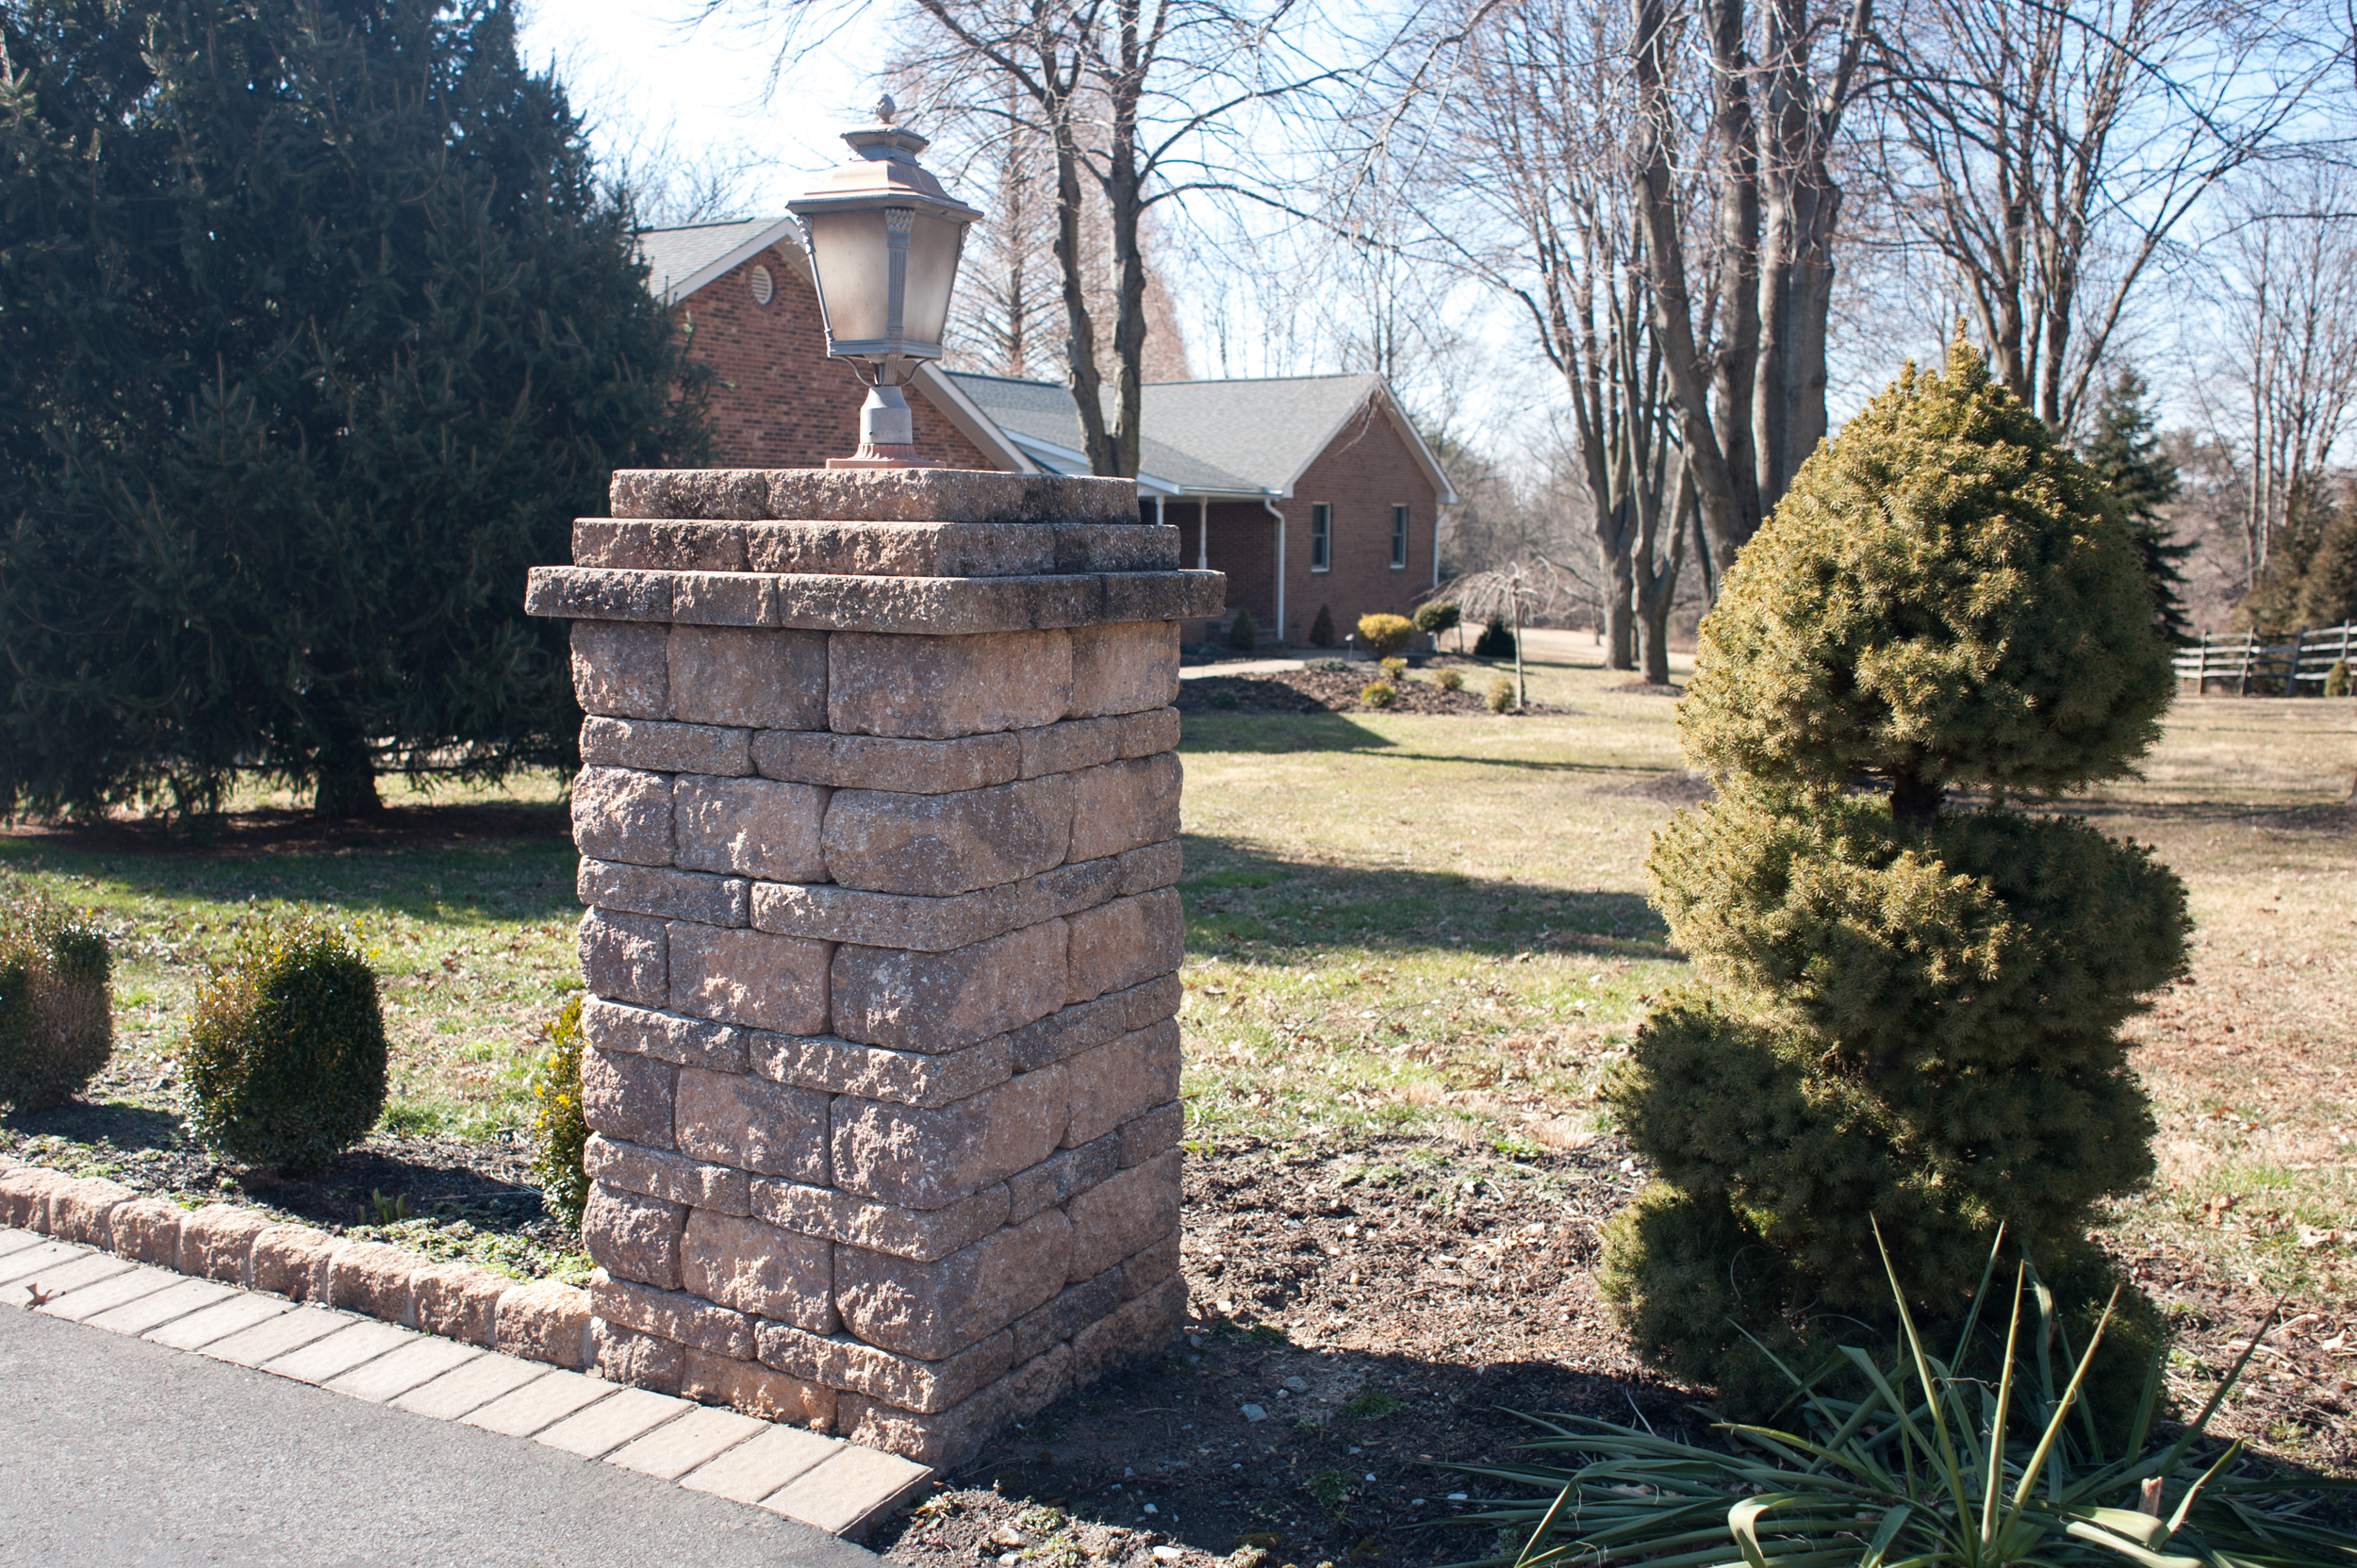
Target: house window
x=1399, y=538
x=1321, y=538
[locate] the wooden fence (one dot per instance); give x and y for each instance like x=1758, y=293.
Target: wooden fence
x=2288, y=668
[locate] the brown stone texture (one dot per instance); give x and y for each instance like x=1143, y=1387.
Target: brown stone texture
x=1145, y=734
x=216, y=1242
x=751, y=977
x=1125, y=806
x=1148, y=1134
x=1153, y=1001
x=870, y=1072
x=806, y=490
x=622, y=670
x=544, y=1321
x=940, y=845
x=658, y=544
x=752, y=1124
x=632, y=1236
x=622, y=815
x=759, y=1268
x=1060, y=1176
x=147, y=1229
x=83, y=1210
x=1139, y=1329
x=666, y=748
x=1070, y=1311
x=1067, y=1032
x=673, y=1178
x=634, y=1359
x=830, y=914
x=934, y=688
x=934, y=1311
x=1149, y=1267
x=696, y=896
x=770, y=680
x=625, y=957
x=939, y=1001
x=843, y=1362
x=1155, y=865
x=1124, y=668
x=1106, y=1086
x=627, y=1097
x=949, y=1438
x=1123, y=1214
x=1118, y=945
x=674, y=1316
x=24, y=1197
x=876, y=761
x=922, y=1159
x=687, y=1042
x=919, y=1233
x=371, y=1278
x=291, y=1260
x=756, y=1390
x=458, y=1302
x=753, y=827
x=1064, y=747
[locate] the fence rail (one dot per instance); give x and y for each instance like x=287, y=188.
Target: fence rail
x=2286, y=668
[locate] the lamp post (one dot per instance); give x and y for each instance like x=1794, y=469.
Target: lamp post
x=884, y=240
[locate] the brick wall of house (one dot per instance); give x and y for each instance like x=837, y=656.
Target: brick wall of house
x=1367, y=469
x=780, y=403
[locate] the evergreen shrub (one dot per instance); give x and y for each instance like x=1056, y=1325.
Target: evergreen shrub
x=56, y=1015
x=1495, y=641
x=1908, y=1010
x=1322, y=628
x=1242, y=636
x=1385, y=635
x=1378, y=694
x=1500, y=696
x=1437, y=617
x=560, y=1131
x=2336, y=679
x=285, y=1054
x=1448, y=680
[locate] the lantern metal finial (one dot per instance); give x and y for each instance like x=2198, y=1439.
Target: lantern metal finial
x=885, y=241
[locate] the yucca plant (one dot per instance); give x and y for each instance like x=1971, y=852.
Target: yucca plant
x=1939, y=1462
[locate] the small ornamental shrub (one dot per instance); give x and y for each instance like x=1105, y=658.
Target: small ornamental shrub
x=57, y=1018
x=1242, y=636
x=1495, y=641
x=285, y=1055
x=1907, y=1012
x=1500, y=696
x=1436, y=618
x=2336, y=679
x=1378, y=694
x=1448, y=680
x=1392, y=669
x=560, y=1131
x=1385, y=635
x=1322, y=628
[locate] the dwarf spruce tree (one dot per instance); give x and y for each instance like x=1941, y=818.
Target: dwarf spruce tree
x=1908, y=1006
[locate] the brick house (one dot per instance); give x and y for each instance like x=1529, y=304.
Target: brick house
x=1309, y=492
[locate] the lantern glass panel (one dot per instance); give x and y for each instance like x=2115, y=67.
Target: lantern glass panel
x=846, y=251
x=933, y=246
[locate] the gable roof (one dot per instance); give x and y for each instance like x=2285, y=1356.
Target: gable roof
x=1207, y=438
x=681, y=260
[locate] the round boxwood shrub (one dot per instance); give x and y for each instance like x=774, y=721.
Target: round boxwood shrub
x=1437, y=617
x=1908, y=1010
x=1495, y=641
x=1385, y=635
x=285, y=1054
x=560, y=1131
x=1500, y=696
x=56, y=1015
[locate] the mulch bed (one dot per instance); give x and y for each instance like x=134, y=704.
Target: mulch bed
x=1336, y=691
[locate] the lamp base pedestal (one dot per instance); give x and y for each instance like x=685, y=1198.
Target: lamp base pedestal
x=876, y=455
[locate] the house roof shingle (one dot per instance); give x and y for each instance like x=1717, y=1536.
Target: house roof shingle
x=679, y=261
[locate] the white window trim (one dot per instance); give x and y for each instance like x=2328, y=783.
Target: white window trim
x=1321, y=510
x=1403, y=525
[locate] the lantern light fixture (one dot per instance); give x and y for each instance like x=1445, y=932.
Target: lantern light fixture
x=885, y=241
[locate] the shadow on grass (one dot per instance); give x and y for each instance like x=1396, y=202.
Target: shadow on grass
x=1266, y=734
x=1235, y=894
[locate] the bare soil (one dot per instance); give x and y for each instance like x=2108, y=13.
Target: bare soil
x=1336, y=691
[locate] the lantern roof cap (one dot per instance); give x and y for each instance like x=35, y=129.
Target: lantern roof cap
x=884, y=172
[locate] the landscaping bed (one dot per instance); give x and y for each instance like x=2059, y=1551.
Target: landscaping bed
x=1337, y=691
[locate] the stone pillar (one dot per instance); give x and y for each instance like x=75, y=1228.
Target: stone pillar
x=879, y=818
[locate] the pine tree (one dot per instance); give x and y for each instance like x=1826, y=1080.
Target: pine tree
x=316, y=328
x=1909, y=1011
x=2126, y=456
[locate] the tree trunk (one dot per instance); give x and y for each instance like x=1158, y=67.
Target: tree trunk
x=1915, y=800
x=344, y=772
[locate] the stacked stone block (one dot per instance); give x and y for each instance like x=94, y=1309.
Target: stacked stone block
x=879, y=822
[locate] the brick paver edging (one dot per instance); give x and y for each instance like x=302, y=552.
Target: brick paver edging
x=445, y=1341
